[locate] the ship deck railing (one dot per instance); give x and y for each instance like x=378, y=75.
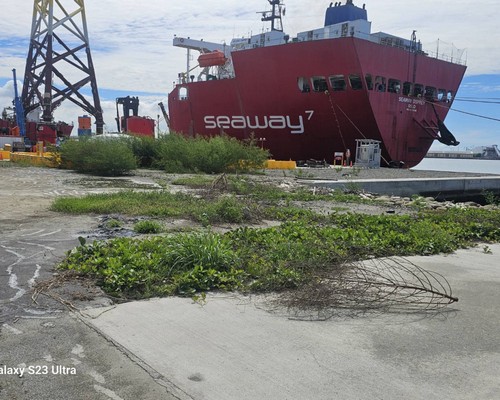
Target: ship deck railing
x=449, y=58
x=452, y=54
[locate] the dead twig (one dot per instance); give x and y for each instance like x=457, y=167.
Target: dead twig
x=389, y=284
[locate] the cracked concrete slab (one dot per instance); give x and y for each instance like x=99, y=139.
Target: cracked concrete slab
x=231, y=347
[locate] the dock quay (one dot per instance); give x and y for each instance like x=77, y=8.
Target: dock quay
x=407, y=183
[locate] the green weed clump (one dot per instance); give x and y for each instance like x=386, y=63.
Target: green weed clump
x=272, y=259
x=213, y=155
x=98, y=156
x=182, y=265
x=225, y=209
x=147, y=226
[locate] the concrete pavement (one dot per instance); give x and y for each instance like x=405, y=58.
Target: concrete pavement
x=442, y=188
x=232, y=348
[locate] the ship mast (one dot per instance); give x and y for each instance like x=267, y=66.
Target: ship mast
x=276, y=13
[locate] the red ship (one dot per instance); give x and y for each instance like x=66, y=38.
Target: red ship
x=35, y=131
x=316, y=94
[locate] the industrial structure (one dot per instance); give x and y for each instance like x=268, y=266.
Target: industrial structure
x=130, y=122
x=59, y=63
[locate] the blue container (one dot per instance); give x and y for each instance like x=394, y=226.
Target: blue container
x=84, y=132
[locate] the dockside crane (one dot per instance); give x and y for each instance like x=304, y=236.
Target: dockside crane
x=59, y=66
x=18, y=108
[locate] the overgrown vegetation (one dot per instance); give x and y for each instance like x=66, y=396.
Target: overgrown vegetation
x=98, y=156
x=231, y=199
x=172, y=153
x=213, y=155
x=144, y=149
x=277, y=258
x=163, y=204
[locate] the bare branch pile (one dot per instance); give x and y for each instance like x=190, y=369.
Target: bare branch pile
x=388, y=284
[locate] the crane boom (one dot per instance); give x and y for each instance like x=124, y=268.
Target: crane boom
x=18, y=105
x=164, y=112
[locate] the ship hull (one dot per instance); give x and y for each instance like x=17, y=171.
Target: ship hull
x=48, y=133
x=265, y=100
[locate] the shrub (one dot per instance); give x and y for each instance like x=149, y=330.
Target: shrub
x=99, y=156
x=177, y=153
x=144, y=149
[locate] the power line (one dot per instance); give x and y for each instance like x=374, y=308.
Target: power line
x=465, y=112
x=475, y=115
x=478, y=101
x=478, y=98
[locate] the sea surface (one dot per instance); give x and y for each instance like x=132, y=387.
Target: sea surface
x=457, y=165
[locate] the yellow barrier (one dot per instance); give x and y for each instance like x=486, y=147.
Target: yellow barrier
x=45, y=160
x=273, y=164
x=4, y=155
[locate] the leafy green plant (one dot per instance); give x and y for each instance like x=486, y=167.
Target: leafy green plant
x=274, y=259
x=98, y=156
x=181, y=264
x=490, y=197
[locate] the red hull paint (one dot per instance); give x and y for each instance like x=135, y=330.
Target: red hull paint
x=47, y=133
x=316, y=124
x=141, y=126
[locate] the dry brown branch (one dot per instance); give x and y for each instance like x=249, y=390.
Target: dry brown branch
x=389, y=284
x=220, y=183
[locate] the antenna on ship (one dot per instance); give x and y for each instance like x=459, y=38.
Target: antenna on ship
x=277, y=11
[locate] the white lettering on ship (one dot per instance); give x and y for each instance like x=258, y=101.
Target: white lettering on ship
x=411, y=104
x=257, y=122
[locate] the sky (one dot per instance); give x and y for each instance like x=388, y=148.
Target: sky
x=131, y=45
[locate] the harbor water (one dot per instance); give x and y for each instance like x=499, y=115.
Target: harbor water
x=459, y=165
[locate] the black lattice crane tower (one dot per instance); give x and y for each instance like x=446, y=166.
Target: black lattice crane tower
x=59, y=64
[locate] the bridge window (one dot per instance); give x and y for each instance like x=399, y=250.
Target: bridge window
x=304, y=85
x=418, y=90
x=183, y=93
x=337, y=82
x=394, y=86
x=441, y=95
x=430, y=93
x=407, y=86
x=380, y=84
x=369, y=81
x=356, y=82
x=319, y=84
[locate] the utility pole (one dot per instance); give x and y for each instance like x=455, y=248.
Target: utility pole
x=59, y=62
